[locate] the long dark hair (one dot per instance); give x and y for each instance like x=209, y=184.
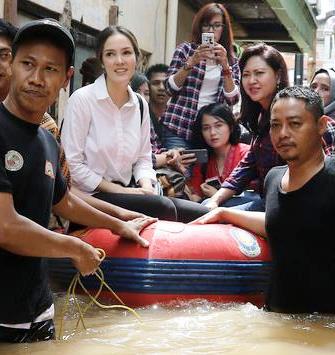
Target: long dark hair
x=111, y=31
x=204, y=15
x=250, y=110
x=224, y=114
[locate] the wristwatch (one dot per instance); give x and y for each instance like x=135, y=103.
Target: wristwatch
x=187, y=66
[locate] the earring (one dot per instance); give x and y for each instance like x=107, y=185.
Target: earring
x=277, y=86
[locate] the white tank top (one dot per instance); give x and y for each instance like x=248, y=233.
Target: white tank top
x=210, y=85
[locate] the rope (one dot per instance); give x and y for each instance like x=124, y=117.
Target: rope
x=71, y=291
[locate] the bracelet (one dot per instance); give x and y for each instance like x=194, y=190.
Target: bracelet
x=226, y=72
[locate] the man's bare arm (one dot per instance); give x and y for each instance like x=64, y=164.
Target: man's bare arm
x=76, y=210
x=106, y=207
x=20, y=235
x=252, y=221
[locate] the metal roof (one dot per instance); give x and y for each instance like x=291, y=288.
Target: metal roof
x=289, y=25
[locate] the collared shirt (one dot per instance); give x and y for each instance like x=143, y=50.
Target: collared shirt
x=182, y=108
x=262, y=157
x=102, y=141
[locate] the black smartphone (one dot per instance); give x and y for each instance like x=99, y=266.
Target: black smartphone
x=200, y=154
x=214, y=181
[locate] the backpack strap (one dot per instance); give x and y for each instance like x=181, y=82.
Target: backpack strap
x=139, y=97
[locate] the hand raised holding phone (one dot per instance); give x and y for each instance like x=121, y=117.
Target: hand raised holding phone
x=204, y=51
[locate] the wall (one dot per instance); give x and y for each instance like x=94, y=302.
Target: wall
x=146, y=18
x=94, y=13
x=185, y=19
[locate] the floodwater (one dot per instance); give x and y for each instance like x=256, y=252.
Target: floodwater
x=197, y=327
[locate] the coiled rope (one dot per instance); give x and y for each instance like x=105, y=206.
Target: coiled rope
x=71, y=291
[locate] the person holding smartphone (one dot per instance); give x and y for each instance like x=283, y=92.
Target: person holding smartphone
x=200, y=74
x=216, y=130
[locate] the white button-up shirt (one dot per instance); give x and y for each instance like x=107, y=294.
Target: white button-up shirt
x=102, y=141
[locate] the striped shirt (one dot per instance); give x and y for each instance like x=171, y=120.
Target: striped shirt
x=182, y=109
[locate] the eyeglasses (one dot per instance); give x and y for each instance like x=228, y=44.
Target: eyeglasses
x=215, y=26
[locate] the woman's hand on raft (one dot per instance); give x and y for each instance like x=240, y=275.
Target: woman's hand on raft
x=132, y=229
x=214, y=216
x=87, y=259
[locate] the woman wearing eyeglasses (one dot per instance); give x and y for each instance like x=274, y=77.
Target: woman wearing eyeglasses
x=200, y=75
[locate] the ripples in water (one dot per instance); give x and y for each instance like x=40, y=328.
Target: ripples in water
x=197, y=327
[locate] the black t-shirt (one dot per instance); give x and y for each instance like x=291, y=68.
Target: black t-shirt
x=29, y=170
x=157, y=124
x=301, y=234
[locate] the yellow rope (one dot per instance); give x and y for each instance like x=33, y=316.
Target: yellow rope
x=71, y=291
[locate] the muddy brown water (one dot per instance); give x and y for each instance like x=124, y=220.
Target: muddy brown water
x=196, y=327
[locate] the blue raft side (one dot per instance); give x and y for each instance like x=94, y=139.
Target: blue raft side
x=172, y=276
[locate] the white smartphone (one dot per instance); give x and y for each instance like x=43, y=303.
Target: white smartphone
x=208, y=39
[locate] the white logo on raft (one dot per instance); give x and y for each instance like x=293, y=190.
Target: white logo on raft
x=246, y=242
x=13, y=160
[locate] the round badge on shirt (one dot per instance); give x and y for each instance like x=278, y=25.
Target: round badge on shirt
x=13, y=160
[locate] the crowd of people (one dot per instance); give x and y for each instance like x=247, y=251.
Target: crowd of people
x=124, y=130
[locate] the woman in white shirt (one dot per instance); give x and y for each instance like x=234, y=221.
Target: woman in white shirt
x=106, y=133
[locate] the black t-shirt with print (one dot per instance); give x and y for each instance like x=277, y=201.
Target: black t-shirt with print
x=29, y=170
x=300, y=228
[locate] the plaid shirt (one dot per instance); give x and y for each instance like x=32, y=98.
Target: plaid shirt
x=50, y=125
x=182, y=108
x=262, y=157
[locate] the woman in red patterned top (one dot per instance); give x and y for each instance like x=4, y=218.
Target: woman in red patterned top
x=217, y=131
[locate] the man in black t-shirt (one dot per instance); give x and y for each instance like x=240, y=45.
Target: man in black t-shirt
x=31, y=184
x=157, y=75
x=300, y=205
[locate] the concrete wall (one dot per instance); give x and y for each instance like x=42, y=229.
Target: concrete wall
x=93, y=12
x=2, y=4
x=145, y=18
x=184, y=26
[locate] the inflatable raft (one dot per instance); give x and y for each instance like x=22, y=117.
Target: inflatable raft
x=220, y=263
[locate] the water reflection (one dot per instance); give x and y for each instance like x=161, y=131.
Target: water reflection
x=190, y=328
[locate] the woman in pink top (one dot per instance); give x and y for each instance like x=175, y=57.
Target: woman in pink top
x=217, y=131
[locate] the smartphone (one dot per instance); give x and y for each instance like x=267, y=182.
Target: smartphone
x=200, y=154
x=214, y=181
x=208, y=39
